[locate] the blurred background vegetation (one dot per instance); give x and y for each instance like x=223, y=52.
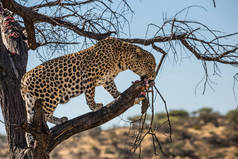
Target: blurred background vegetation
x=204, y=134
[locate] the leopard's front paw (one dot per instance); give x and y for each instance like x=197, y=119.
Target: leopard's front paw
x=97, y=107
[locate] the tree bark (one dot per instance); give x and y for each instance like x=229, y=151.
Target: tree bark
x=47, y=139
x=90, y=120
x=13, y=60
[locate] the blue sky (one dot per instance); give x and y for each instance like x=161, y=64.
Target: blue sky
x=177, y=81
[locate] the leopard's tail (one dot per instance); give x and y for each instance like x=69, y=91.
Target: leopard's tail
x=23, y=86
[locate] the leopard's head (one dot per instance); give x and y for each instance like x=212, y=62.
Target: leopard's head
x=143, y=63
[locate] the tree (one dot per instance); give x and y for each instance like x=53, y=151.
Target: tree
x=13, y=60
x=206, y=115
x=232, y=117
x=56, y=24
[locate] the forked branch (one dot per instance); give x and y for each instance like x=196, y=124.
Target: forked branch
x=39, y=129
x=47, y=141
x=89, y=24
x=93, y=119
x=201, y=41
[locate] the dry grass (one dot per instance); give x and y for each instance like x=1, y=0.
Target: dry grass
x=190, y=141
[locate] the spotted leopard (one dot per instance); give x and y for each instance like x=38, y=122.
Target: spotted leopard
x=58, y=80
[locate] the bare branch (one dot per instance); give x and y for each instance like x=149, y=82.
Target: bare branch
x=149, y=129
x=126, y=100
x=39, y=129
x=214, y=3
x=57, y=42
x=208, y=58
x=58, y=2
x=167, y=112
x=160, y=64
x=30, y=30
x=154, y=40
x=190, y=37
x=34, y=17
x=47, y=4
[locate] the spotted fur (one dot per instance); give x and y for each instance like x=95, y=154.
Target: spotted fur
x=58, y=80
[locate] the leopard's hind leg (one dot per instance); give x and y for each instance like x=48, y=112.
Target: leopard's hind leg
x=49, y=109
x=55, y=120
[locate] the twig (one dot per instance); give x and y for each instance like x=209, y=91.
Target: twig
x=160, y=64
x=214, y=3
x=167, y=112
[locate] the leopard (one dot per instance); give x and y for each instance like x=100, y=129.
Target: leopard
x=58, y=80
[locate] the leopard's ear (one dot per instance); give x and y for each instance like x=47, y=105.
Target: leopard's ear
x=139, y=52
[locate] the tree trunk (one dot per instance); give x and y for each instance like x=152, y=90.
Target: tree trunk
x=13, y=60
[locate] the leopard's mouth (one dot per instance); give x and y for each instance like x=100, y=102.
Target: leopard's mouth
x=145, y=77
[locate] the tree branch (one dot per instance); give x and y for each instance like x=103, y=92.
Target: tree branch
x=87, y=121
x=208, y=58
x=28, y=13
x=201, y=49
x=30, y=30
x=154, y=40
x=58, y=2
x=214, y=3
x=46, y=141
x=39, y=129
x=47, y=4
